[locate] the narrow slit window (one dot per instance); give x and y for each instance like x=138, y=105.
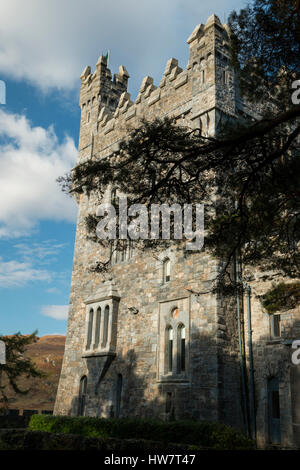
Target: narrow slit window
x=275, y=326
x=181, y=348
x=90, y=329
x=97, y=332
x=166, y=270
x=224, y=77
x=203, y=76
x=105, y=326
x=82, y=395
x=169, y=349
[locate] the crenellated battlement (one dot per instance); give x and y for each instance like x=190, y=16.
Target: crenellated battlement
x=196, y=96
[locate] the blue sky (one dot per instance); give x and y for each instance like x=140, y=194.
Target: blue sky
x=44, y=46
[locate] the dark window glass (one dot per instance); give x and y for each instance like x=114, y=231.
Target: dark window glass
x=169, y=349
x=82, y=395
x=97, y=332
x=275, y=404
x=90, y=329
x=105, y=326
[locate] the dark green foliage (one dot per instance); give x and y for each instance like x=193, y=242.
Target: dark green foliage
x=266, y=48
x=17, y=364
x=282, y=297
x=212, y=435
x=40, y=440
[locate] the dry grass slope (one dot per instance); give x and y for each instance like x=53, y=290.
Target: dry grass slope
x=47, y=353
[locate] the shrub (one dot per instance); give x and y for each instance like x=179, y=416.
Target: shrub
x=208, y=434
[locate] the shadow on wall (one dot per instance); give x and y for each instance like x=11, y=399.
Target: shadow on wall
x=277, y=384
x=124, y=385
x=206, y=387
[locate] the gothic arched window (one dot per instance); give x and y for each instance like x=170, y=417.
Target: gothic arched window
x=90, y=329
x=169, y=349
x=97, y=331
x=105, y=326
x=181, y=348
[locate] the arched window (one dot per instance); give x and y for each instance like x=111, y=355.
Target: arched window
x=119, y=394
x=82, y=395
x=181, y=348
x=90, y=329
x=105, y=326
x=169, y=349
x=166, y=270
x=98, y=323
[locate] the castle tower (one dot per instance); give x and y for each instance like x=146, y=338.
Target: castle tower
x=119, y=328
x=139, y=342
x=99, y=96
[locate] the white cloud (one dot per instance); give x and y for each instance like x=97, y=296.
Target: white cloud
x=53, y=290
x=59, y=312
x=50, y=42
x=31, y=159
x=42, y=251
x=17, y=274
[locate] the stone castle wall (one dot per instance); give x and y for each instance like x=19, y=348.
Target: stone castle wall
x=202, y=95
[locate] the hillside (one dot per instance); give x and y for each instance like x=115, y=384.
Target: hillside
x=47, y=353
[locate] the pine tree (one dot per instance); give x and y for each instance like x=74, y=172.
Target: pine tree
x=17, y=365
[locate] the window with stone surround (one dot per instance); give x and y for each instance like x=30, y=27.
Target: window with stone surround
x=173, y=341
x=101, y=321
x=99, y=326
